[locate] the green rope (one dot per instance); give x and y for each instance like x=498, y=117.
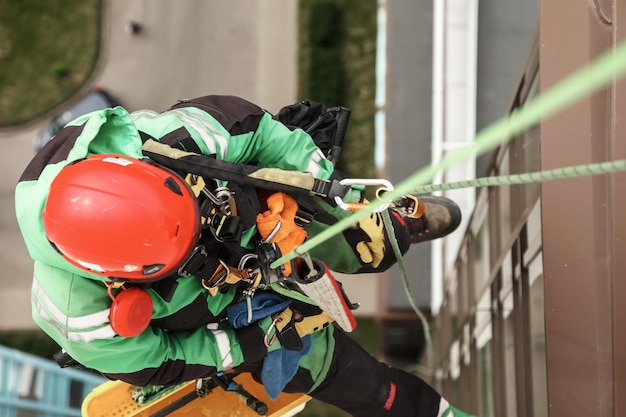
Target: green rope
x=539, y=176
x=407, y=289
x=532, y=177
x=597, y=74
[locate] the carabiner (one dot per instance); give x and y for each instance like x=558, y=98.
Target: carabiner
x=363, y=181
x=269, y=342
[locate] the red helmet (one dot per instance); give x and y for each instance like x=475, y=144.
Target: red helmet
x=121, y=217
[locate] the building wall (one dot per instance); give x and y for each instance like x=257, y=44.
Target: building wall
x=505, y=28
x=532, y=322
x=409, y=81
x=583, y=250
x=453, y=66
x=489, y=338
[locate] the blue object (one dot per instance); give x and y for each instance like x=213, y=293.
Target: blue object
x=263, y=304
x=30, y=385
x=280, y=366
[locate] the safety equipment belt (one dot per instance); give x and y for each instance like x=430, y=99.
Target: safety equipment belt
x=269, y=178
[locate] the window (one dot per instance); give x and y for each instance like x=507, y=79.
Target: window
x=508, y=342
x=485, y=374
x=480, y=245
x=538, y=340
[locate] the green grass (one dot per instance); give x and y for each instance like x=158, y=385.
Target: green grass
x=35, y=342
x=48, y=51
x=354, y=68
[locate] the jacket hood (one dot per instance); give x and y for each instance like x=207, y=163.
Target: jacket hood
x=105, y=131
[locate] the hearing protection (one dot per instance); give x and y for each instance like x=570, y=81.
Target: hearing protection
x=131, y=310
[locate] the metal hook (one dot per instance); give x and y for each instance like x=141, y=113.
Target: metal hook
x=363, y=181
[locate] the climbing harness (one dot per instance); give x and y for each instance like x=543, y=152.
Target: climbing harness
x=276, y=179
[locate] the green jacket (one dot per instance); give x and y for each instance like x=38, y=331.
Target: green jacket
x=72, y=306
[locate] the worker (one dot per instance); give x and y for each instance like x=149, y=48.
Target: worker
x=151, y=271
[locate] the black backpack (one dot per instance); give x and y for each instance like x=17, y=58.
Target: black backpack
x=327, y=126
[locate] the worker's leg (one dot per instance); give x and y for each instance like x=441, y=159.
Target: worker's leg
x=338, y=371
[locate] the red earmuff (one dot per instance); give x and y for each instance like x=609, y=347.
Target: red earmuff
x=131, y=311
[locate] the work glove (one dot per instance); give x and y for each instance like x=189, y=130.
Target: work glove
x=295, y=322
x=372, y=248
x=277, y=224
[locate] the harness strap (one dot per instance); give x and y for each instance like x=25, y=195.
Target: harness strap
x=200, y=264
x=270, y=178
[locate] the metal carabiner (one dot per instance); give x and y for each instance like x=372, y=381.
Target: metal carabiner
x=267, y=339
x=364, y=181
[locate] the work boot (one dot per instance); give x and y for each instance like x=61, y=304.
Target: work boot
x=441, y=217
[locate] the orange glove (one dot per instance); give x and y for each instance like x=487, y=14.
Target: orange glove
x=287, y=235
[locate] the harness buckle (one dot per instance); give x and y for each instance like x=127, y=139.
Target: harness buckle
x=410, y=205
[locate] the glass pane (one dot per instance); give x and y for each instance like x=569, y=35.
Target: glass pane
x=462, y=289
x=485, y=382
x=455, y=320
x=507, y=275
x=533, y=229
x=484, y=367
x=481, y=258
x=455, y=360
x=509, y=355
x=505, y=202
x=538, y=339
x=531, y=153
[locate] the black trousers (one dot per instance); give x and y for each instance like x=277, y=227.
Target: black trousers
x=363, y=386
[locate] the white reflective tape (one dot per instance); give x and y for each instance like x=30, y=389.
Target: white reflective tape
x=206, y=138
x=102, y=333
x=223, y=344
x=81, y=322
x=314, y=164
x=144, y=114
x=195, y=120
x=443, y=407
x=105, y=332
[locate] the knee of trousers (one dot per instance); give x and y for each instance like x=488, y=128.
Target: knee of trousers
x=362, y=386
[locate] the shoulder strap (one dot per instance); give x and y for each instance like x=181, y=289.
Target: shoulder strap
x=271, y=178
x=178, y=138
